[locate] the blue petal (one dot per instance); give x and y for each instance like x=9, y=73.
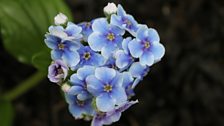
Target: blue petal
x=85, y=71
x=98, y=59
x=122, y=59
x=72, y=46
x=56, y=54
x=116, y=20
x=70, y=99
x=137, y=70
x=74, y=90
x=136, y=48
x=158, y=51
x=108, y=50
x=75, y=111
x=147, y=58
x=117, y=80
x=55, y=28
x=52, y=41
x=105, y=74
x=117, y=30
x=96, y=41
x=105, y=103
x=100, y=25
x=94, y=86
x=127, y=79
x=120, y=11
x=75, y=80
x=153, y=35
x=142, y=33
x=83, y=96
x=71, y=58
x=119, y=94
x=73, y=29
x=125, y=44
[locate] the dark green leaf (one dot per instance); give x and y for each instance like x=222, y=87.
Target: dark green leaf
x=24, y=23
x=42, y=60
x=6, y=113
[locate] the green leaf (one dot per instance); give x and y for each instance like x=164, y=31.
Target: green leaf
x=23, y=24
x=42, y=60
x=6, y=113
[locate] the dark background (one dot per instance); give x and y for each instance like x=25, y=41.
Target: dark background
x=185, y=89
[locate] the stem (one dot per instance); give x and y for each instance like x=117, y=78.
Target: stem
x=24, y=86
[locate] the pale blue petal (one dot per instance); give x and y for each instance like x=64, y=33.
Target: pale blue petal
x=75, y=80
x=127, y=79
x=137, y=70
x=71, y=58
x=96, y=41
x=158, y=51
x=108, y=50
x=74, y=90
x=105, y=103
x=56, y=54
x=119, y=94
x=83, y=96
x=120, y=11
x=75, y=111
x=136, y=48
x=98, y=59
x=105, y=74
x=85, y=71
x=72, y=45
x=117, y=80
x=142, y=33
x=122, y=59
x=125, y=44
x=153, y=35
x=52, y=41
x=147, y=58
x=117, y=30
x=94, y=86
x=100, y=25
x=73, y=29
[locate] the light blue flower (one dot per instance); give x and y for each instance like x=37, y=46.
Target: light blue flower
x=123, y=56
x=64, y=43
x=86, y=29
x=110, y=117
x=78, y=82
x=89, y=57
x=106, y=86
x=146, y=46
x=57, y=71
x=79, y=109
x=124, y=21
x=128, y=82
x=105, y=37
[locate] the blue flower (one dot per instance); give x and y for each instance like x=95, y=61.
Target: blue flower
x=123, y=57
x=78, y=82
x=124, y=21
x=106, y=86
x=78, y=108
x=128, y=82
x=110, y=63
x=89, y=57
x=147, y=46
x=138, y=70
x=86, y=29
x=57, y=71
x=108, y=118
x=105, y=37
x=64, y=43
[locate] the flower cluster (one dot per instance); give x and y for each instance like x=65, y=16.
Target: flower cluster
x=99, y=63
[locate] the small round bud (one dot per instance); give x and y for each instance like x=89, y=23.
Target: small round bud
x=111, y=8
x=60, y=19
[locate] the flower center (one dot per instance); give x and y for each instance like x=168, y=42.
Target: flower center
x=88, y=24
x=110, y=36
x=61, y=46
x=107, y=88
x=80, y=103
x=127, y=22
x=86, y=56
x=146, y=45
x=60, y=71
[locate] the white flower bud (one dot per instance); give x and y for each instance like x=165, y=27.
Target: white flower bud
x=60, y=19
x=111, y=8
x=65, y=87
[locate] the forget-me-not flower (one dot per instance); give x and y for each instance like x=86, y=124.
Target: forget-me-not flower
x=124, y=21
x=106, y=86
x=86, y=29
x=105, y=37
x=146, y=46
x=57, y=71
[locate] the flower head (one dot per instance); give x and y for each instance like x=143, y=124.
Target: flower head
x=57, y=71
x=124, y=21
x=86, y=29
x=60, y=19
x=146, y=46
x=105, y=37
x=106, y=86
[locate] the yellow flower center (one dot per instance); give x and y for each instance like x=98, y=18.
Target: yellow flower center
x=107, y=88
x=146, y=45
x=86, y=56
x=110, y=36
x=61, y=46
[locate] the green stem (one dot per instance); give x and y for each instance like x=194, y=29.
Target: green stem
x=24, y=86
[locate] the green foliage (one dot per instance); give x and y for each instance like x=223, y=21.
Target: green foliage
x=41, y=61
x=23, y=24
x=6, y=113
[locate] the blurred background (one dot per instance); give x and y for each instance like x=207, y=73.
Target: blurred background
x=185, y=89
